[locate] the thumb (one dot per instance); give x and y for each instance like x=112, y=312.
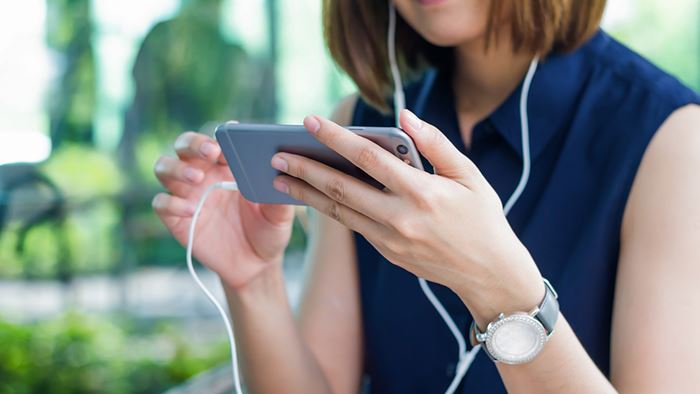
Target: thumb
x=445, y=158
x=277, y=214
x=268, y=235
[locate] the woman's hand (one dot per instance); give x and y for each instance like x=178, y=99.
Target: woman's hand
x=447, y=227
x=235, y=238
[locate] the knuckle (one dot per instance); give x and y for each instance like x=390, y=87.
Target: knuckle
x=435, y=136
x=334, y=212
x=471, y=169
x=435, y=197
x=296, y=169
x=430, y=198
x=336, y=189
x=367, y=157
x=394, y=246
x=296, y=192
x=325, y=134
x=472, y=174
x=406, y=226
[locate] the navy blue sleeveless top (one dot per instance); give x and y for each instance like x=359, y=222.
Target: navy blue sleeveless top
x=592, y=114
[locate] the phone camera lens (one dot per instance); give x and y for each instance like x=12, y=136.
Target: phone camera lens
x=402, y=149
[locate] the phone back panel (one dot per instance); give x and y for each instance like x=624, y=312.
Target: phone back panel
x=248, y=149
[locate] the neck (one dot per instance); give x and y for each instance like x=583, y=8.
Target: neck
x=482, y=80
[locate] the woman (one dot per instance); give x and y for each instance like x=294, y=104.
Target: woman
x=610, y=214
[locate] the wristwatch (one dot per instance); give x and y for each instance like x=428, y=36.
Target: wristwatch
x=518, y=338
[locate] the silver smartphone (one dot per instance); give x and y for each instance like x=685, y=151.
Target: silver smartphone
x=248, y=149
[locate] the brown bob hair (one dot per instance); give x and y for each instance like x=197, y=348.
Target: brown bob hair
x=355, y=33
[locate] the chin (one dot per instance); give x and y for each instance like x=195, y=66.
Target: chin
x=446, y=22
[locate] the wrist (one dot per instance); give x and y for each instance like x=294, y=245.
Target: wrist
x=517, y=287
x=268, y=284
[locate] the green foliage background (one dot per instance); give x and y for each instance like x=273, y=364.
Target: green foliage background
x=78, y=353
x=109, y=227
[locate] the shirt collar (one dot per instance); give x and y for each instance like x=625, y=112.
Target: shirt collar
x=556, y=88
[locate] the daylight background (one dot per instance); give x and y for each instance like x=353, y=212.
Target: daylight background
x=94, y=294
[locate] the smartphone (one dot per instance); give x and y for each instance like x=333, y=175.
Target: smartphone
x=248, y=149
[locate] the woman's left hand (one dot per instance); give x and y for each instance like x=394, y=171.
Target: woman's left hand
x=446, y=227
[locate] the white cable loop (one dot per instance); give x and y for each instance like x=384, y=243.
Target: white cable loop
x=524, y=137
x=399, y=98
x=465, y=357
x=227, y=322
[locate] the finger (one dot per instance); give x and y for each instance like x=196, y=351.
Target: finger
x=198, y=147
x=167, y=206
x=221, y=159
x=344, y=215
x=340, y=187
x=381, y=165
x=169, y=169
x=445, y=158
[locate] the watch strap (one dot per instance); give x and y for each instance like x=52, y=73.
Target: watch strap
x=548, y=311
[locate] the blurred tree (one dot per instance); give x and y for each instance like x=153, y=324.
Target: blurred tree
x=72, y=104
x=187, y=75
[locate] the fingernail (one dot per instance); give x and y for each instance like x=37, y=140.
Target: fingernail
x=280, y=186
x=208, y=149
x=190, y=208
x=413, y=120
x=279, y=163
x=193, y=174
x=157, y=201
x=312, y=124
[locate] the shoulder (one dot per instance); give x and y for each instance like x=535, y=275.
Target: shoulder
x=414, y=89
x=343, y=111
x=622, y=99
x=662, y=208
x=612, y=63
x=676, y=143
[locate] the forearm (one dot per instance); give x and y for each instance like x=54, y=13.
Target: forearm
x=271, y=351
x=562, y=367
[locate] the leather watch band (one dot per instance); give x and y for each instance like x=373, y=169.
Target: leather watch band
x=548, y=311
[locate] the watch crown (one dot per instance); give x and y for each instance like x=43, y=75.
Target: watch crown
x=481, y=337
x=501, y=316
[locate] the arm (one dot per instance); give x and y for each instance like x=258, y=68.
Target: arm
x=653, y=347
x=415, y=222
x=321, y=352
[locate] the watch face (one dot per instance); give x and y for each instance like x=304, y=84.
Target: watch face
x=516, y=339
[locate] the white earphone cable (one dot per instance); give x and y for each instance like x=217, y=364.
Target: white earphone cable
x=524, y=137
x=399, y=98
x=232, y=186
x=465, y=357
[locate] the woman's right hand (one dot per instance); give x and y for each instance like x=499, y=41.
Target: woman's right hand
x=235, y=238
